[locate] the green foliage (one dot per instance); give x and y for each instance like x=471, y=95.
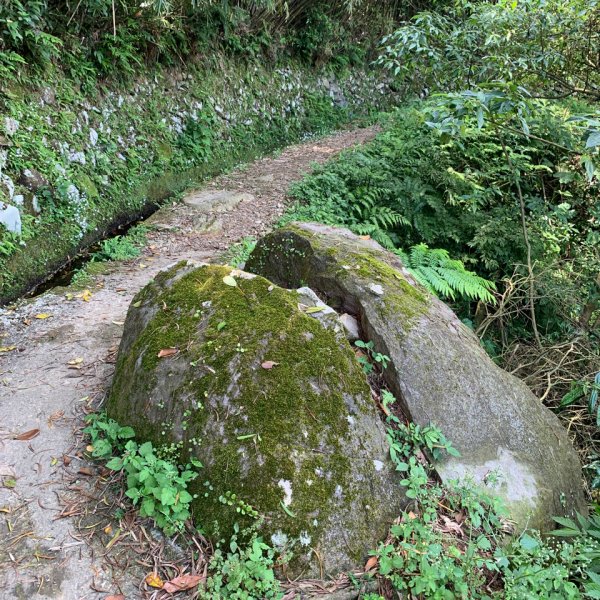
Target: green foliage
x=116, y=37
x=547, y=46
x=81, y=279
x=122, y=247
x=425, y=556
x=157, y=485
x=373, y=357
x=586, y=390
x=532, y=568
x=442, y=166
x=238, y=254
x=444, y=276
x=242, y=573
x=452, y=544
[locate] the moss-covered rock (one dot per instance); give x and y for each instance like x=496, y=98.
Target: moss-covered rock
x=438, y=370
x=300, y=442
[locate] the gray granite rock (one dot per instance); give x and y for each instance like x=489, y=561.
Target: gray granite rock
x=438, y=370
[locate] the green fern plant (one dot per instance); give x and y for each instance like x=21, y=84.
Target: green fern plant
x=373, y=217
x=444, y=276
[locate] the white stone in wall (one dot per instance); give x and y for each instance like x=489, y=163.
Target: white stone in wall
x=10, y=125
x=10, y=217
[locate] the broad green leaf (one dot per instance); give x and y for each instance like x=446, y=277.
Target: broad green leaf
x=593, y=140
x=147, y=507
x=115, y=464
x=527, y=542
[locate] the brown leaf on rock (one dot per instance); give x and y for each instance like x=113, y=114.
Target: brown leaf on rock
x=115, y=597
x=182, y=583
x=85, y=471
x=165, y=352
x=371, y=563
x=27, y=435
x=269, y=364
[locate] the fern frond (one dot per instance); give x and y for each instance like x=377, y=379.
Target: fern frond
x=444, y=276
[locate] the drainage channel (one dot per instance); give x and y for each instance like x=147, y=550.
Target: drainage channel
x=64, y=276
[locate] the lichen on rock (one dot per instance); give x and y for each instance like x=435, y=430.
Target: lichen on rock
x=271, y=401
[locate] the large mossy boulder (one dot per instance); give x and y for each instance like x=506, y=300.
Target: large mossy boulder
x=507, y=439
x=273, y=403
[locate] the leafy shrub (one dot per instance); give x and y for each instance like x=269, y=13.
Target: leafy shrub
x=157, y=485
x=547, y=46
x=458, y=195
x=115, y=37
x=244, y=573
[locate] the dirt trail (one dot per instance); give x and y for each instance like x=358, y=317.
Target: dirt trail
x=44, y=552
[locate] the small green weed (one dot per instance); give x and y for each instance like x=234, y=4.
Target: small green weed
x=159, y=486
x=238, y=254
x=81, y=279
x=242, y=573
x=374, y=357
x=122, y=247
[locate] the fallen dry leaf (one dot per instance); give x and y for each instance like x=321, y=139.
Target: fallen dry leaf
x=85, y=471
x=7, y=348
x=269, y=364
x=56, y=416
x=371, y=563
x=75, y=361
x=153, y=580
x=27, y=435
x=181, y=583
x=86, y=295
x=42, y=316
x=66, y=460
x=115, y=597
x=451, y=527
x=167, y=352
